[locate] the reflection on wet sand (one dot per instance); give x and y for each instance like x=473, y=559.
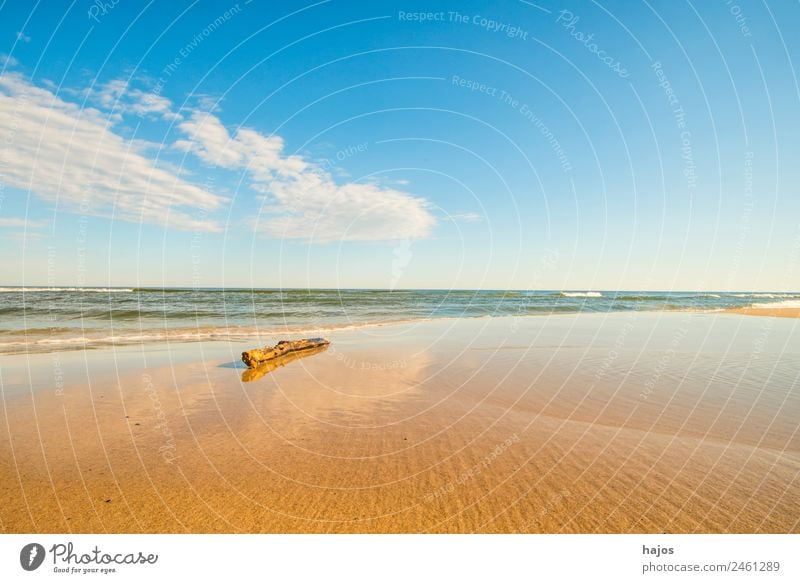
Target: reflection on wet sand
x=636, y=423
x=255, y=373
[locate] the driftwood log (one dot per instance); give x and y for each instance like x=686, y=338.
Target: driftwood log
x=257, y=372
x=253, y=358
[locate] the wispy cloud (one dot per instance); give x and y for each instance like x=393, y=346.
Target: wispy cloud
x=7, y=61
x=21, y=223
x=23, y=236
x=22, y=37
x=22, y=229
x=119, y=97
x=68, y=155
x=301, y=198
x=466, y=217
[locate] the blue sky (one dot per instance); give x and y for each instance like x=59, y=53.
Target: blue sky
x=401, y=144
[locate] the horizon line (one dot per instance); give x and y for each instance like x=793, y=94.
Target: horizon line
x=237, y=288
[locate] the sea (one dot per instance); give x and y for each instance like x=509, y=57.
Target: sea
x=37, y=319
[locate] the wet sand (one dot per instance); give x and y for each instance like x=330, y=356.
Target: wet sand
x=641, y=422
x=768, y=312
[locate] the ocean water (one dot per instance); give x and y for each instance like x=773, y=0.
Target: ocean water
x=46, y=319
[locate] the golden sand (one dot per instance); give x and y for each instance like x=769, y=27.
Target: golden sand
x=768, y=312
x=426, y=429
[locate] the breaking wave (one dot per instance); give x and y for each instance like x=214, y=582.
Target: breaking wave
x=782, y=304
x=589, y=294
x=33, y=290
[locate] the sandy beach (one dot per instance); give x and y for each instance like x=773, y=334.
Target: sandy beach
x=637, y=422
x=768, y=312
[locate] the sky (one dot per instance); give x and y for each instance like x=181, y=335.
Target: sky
x=479, y=145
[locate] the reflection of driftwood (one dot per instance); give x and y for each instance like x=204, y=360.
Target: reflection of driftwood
x=255, y=373
x=261, y=355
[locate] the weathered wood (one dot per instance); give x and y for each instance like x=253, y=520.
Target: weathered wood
x=263, y=369
x=253, y=358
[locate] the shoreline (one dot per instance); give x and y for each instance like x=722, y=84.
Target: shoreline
x=624, y=422
x=766, y=312
x=241, y=334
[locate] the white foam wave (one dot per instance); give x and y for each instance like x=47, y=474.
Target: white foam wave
x=30, y=290
x=589, y=294
x=64, y=342
x=779, y=305
x=767, y=296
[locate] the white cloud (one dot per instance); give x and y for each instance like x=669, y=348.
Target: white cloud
x=23, y=236
x=466, y=217
x=119, y=97
x=206, y=102
x=21, y=223
x=301, y=198
x=67, y=155
x=7, y=61
x=311, y=206
x=22, y=37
